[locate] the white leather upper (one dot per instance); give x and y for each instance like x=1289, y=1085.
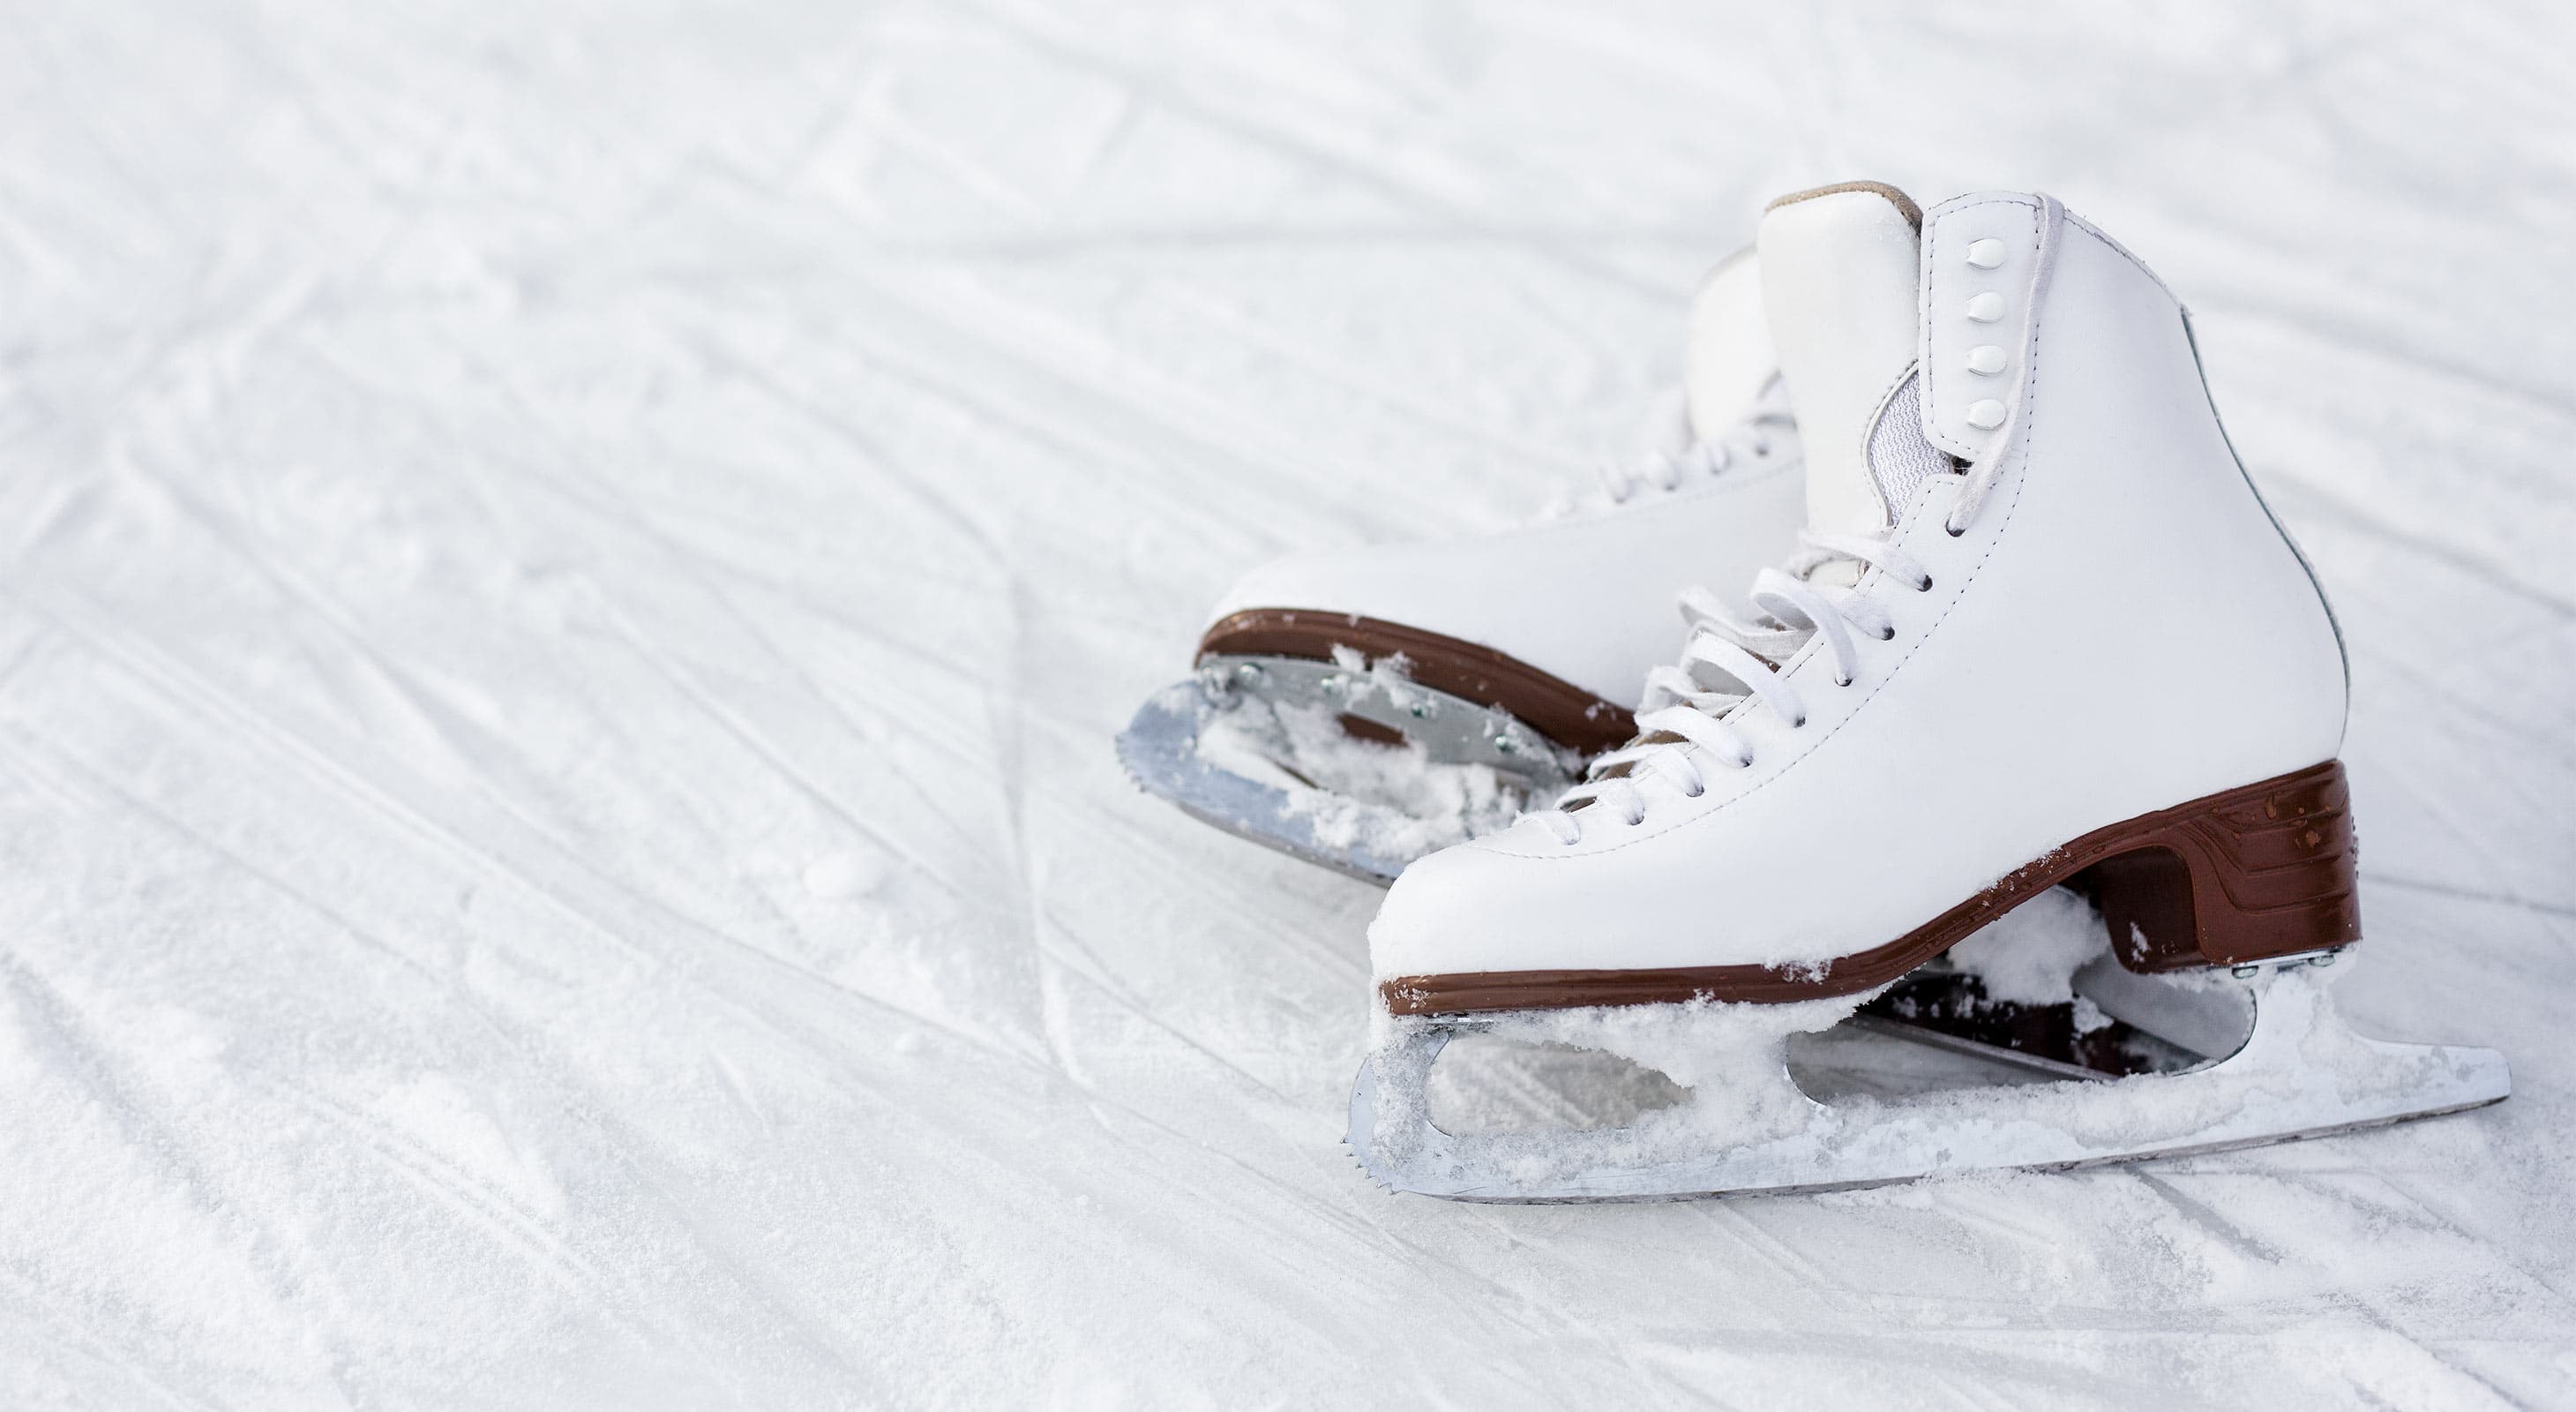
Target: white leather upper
x=2120, y=628
x=1590, y=599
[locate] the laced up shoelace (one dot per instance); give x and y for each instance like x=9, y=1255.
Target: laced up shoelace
x=1703, y=457
x=1730, y=661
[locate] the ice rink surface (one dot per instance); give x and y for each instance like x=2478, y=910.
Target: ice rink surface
x=570, y=570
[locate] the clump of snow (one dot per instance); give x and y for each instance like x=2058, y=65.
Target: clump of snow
x=1731, y=1056
x=1486, y=1083
x=1728, y=1059
x=2029, y=955
x=1393, y=800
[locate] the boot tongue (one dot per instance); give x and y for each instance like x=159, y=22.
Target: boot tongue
x=1839, y=276
x=1729, y=362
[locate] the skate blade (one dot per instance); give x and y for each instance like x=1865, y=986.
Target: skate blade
x=2289, y=1070
x=1372, y=842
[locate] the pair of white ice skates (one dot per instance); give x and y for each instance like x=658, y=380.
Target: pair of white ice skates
x=2037, y=629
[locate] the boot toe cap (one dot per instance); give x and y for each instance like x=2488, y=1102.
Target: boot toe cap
x=1473, y=908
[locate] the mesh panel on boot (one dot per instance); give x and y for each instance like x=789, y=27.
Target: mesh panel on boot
x=1899, y=456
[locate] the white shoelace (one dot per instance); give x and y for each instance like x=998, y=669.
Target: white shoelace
x=1703, y=457
x=1730, y=661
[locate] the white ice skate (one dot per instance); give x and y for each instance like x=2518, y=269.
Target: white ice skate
x=2041, y=630
x=1360, y=709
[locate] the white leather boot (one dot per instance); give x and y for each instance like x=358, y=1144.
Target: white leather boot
x=1363, y=707
x=2041, y=629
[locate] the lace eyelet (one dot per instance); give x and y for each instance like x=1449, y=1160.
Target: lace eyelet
x=1636, y=819
x=1887, y=634
x=1925, y=586
x=1954, y=531
x=1842, y=681
x=1746, y=762
x=1798, y=724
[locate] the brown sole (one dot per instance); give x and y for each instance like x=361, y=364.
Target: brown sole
x=1565, y=713
x=2242, y=875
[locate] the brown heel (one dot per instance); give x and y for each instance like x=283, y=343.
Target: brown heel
x=2248, y=875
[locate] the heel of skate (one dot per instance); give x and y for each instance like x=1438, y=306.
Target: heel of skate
x=2251, y=875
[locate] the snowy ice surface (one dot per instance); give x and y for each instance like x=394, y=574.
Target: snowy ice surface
x=571, y=571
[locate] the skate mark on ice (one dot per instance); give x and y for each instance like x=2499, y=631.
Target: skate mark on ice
x=572, y=886
x=2201, y=1214
x=2469, y=894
